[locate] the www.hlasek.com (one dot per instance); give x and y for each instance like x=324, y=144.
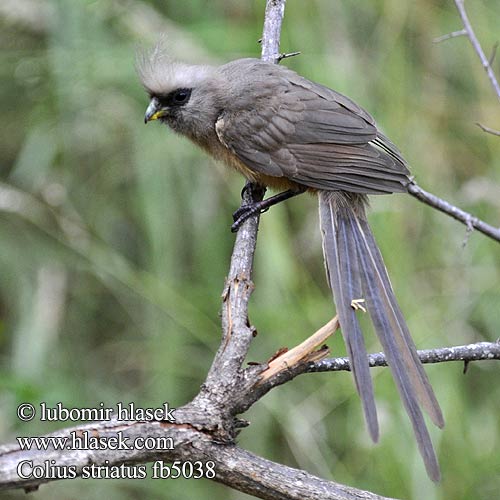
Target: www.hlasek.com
x=93, y=441
x=87, y=440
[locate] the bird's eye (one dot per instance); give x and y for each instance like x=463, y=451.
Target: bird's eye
x=181, y=96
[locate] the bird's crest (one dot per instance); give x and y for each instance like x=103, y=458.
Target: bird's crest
x=160, y=73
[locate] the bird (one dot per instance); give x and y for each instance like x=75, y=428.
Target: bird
x=283, y=131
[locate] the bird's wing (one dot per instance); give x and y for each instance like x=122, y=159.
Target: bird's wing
x=288, y=126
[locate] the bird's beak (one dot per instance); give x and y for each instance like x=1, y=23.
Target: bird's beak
x=154, y=111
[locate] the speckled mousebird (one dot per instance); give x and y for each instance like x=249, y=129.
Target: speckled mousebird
x=286, y=132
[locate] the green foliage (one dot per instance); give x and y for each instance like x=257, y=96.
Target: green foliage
x=115, y=236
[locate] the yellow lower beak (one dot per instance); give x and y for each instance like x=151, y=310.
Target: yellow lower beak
x=154, y=111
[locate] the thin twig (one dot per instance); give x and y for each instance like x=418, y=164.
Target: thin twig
x=471, y=352
x=286, y=55
x=453, y=34
x=493, y=53
x=477, y=46
x=457, y=213
x=488, y=129
x=464, y=353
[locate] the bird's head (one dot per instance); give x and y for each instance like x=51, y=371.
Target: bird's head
x=188, y=98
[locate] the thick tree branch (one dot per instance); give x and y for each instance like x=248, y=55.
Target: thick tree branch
x=236, y=330
x=235, y=467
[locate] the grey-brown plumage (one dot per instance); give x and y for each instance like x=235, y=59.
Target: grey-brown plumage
x=284, y=131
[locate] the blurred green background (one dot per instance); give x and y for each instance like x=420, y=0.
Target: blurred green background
x=115, y=237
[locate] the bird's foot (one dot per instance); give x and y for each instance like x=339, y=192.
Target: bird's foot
x=246, y=211
x=253, y=208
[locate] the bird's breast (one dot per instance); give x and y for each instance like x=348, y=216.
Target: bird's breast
x=221, y=152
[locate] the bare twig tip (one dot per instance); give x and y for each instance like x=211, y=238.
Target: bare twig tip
x=489, y=130
x=466, y=366
x=285, y=55
x=453, y=34
x=493, y=53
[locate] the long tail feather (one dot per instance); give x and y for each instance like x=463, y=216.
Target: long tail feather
x=403, y=338
x=344, y=278
x=356, y=270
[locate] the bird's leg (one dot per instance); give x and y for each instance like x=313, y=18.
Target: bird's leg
x=254, y=190
x=246, y=211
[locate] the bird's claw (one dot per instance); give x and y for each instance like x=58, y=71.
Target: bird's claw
x=242, y=214
x=237, y=214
